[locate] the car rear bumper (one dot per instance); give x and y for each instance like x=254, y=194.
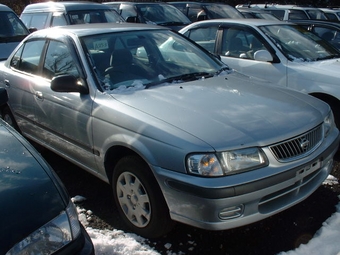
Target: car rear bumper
x=198, y=202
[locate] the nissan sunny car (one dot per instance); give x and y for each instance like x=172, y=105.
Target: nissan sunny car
x=283, y=53
x=37, y=215
x=179, y=135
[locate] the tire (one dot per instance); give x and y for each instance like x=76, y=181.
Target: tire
x=9, y=118
x=139, y=199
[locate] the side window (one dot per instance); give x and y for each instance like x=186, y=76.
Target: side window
x=240, y=43
x=297, y=14
x=331, y=16
x=324, y=33
x=39, y=21
x=27, y=57
x=58, y=19
x=278, y=13
x=205, y=37
x=58, y=61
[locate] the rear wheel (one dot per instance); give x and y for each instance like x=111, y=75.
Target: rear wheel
x=139, y=199
x=9, y=118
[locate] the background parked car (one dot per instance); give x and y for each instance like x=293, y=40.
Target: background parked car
x=50, y=14
x=327, y=30
x=156, y=13
x=252, y=13
x=283, y=53
x=196, y=11
x=12, y=31
x=332, y=14
x=36, y=212
x=288, y=12
x=177, y=133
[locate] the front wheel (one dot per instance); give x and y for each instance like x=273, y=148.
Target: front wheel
x=139, y=199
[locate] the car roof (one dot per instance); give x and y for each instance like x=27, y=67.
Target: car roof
x=95, y=28
x=5, y=8
x=199, y=3
x=136, y=3
x=250, y=22
x=64, y=6
x=277, y=6
x=328, y=23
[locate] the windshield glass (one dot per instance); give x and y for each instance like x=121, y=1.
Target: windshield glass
x=298, y=44
x=142, y=59
x=218, y=11
x=162, y=14
x=94, y=16
x=11, y=27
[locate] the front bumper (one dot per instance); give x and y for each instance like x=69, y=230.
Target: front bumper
x=219, y=204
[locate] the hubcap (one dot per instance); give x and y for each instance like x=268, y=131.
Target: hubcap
x=133, y=199
x=8, y=119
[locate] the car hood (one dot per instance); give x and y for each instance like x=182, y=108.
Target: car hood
x=229, y=111
x=28, y=196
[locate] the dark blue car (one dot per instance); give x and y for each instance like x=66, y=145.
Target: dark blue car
x=37, y=215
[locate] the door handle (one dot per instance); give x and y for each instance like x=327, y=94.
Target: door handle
x=39, y=95
x=6, y=83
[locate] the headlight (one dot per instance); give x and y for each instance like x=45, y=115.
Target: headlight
x=226, y=162
x=242, y=160
x=52, y=236
x=328, y=123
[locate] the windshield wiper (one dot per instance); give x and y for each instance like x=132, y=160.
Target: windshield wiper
x=181, y=78
x=329, y=57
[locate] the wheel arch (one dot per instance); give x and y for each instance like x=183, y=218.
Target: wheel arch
x=116, y=153
x=333, y=102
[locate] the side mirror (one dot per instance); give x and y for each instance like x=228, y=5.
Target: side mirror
x=68, y=83
x=263, y=55
x=131, y=19
x=32, y=29
x=3, y=96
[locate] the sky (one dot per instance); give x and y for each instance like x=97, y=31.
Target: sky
x=326, y=240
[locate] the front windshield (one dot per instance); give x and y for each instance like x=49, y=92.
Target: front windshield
x=220, y=11
x=298, y=44
x=94, y=16
x=162, y=14
x=11, y=26
x=142, y=59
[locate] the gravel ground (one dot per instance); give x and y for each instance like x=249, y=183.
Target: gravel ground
x=282, y=232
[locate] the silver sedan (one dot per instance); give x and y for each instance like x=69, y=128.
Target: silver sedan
x=177, y=133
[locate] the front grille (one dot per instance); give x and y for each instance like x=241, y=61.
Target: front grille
x=298, y=146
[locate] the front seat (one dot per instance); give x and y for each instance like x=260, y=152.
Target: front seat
x=122, y=67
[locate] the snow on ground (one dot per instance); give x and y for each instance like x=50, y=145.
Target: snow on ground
x=326, y=240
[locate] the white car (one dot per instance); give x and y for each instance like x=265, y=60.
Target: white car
x=282, y=53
